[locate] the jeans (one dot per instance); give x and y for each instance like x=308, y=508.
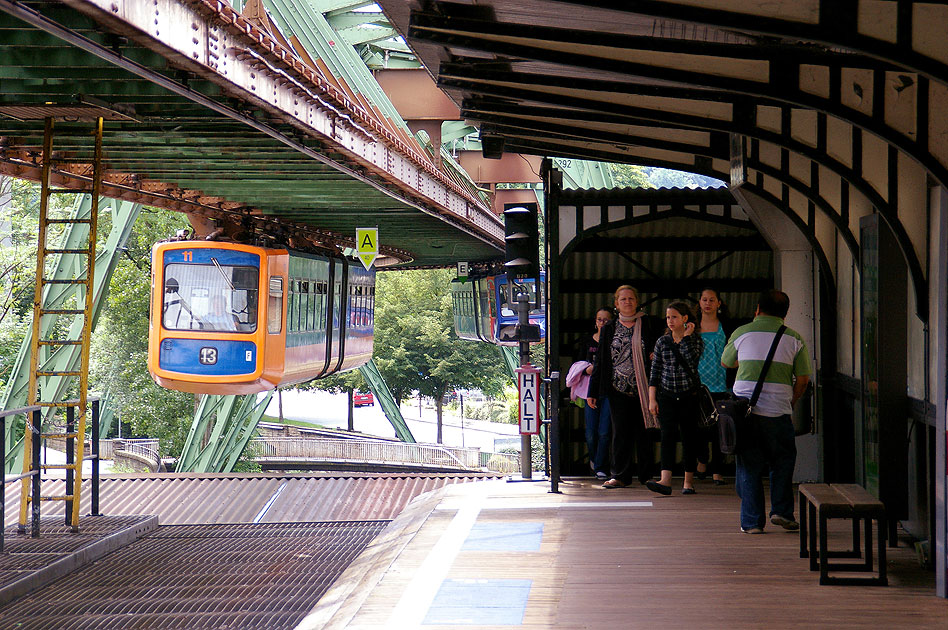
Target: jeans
x=765, y=442
x=598, y=435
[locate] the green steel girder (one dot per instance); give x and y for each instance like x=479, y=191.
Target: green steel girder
x=221, y=428
x=367, y=35
x=317, y=36
x=193, y=148
x=345, y=21
x=66, y=358
x=331, y=8
x=370, y=372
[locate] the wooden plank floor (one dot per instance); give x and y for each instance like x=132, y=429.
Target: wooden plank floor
x=608, y=560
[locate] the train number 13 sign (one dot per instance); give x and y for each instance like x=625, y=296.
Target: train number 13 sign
x=528, y=386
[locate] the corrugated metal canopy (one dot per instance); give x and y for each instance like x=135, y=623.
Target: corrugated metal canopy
x=219, y=498
x=210, y=114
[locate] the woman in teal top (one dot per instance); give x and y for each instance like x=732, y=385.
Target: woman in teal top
x=713, y=375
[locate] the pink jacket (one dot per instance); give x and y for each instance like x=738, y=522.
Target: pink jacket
x=577, y=380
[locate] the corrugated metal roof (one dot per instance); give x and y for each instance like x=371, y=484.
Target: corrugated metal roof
x=667, y=265
x=218, y=498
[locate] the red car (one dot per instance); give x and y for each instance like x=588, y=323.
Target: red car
x=363, y=399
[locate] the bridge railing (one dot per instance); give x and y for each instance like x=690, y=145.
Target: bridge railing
x=146, y=450
x=370, y=451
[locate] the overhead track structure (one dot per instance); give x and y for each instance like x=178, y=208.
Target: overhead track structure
x=209, y=113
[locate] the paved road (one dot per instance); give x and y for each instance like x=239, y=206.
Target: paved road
x=329, y=410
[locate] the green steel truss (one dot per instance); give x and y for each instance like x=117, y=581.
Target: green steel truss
x=57, y=294
x=370, y=372
x=221, y=429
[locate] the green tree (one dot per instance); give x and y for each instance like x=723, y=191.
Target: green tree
x=629, y=176
x=19, y=219
x=120, y=343
x=416, y=347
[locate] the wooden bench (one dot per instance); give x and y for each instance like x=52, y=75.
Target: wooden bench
x=820, y=502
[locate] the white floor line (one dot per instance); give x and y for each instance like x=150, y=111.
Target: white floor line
x=554, y=506
x=420, y=592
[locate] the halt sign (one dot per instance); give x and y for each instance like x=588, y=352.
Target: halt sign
x=367, y=245
x=528, y=387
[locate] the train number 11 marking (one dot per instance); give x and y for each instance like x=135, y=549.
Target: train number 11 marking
x=188, y=255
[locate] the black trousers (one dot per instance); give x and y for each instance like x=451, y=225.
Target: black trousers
x=631, y=447
x=678, y=414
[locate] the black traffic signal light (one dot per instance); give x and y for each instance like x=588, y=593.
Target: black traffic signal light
x=522, y=240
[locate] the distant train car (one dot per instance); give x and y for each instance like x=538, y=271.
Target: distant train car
x=472, y=308
x=228, y=318
x=484, y=308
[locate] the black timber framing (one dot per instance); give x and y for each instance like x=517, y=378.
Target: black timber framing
x=470, y=75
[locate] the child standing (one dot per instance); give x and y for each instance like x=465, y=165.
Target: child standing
x=672, y=393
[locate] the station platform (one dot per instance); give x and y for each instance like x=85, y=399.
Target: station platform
x=496, y=554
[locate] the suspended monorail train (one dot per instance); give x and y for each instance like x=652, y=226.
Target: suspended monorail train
x=228, y=318
x=484, y=308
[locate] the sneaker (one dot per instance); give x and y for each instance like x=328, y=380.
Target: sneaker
x=601, y=475
x=753, y=530
x=787, y=523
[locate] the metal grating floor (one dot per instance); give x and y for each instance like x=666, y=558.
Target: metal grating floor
x=195, y=577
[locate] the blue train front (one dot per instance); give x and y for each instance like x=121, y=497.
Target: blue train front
x=228, y=318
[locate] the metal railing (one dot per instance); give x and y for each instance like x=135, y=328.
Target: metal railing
x=34, y=418
x=367, y=451
x=146, y=449
x=504, y=463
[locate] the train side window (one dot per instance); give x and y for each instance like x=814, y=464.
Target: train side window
x=275, y=306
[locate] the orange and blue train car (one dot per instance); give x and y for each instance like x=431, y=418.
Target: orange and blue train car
x=229, y=318
x=484, y=308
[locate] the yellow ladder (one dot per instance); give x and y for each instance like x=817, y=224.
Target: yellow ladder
x=81, y=307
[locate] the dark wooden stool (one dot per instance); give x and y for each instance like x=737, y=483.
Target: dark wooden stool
x=821, y=501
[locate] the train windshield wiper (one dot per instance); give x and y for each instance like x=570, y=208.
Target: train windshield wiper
x=223, y=274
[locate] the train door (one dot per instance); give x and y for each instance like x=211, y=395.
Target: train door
x=275, y=344
x=340, y=289
x=485, y=327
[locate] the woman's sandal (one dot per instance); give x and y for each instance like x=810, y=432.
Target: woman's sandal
x=613, y=483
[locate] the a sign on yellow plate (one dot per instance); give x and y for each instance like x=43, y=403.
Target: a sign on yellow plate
x=367, y=244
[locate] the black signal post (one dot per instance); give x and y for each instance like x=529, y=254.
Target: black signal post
x=522, y=241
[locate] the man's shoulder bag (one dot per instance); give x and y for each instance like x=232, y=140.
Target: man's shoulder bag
x=732, y=412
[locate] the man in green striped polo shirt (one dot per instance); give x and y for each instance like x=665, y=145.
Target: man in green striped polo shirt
x=767, y=439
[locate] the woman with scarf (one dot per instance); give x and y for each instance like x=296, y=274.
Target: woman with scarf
x=621, y=373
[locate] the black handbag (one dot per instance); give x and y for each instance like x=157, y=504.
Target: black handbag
x=707, y=413
x=732, y=412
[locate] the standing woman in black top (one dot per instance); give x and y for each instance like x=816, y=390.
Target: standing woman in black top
x=598, y=426
x=673, y=394
x=620, y=374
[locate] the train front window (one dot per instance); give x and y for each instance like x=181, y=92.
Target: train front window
x=508, y=295
x=215, y=297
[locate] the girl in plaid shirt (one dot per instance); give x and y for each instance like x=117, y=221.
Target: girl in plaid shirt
x=671, y=391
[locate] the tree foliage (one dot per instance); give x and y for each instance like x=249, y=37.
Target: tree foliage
x=416, y=348
x=629, y=176
x=120, y=344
